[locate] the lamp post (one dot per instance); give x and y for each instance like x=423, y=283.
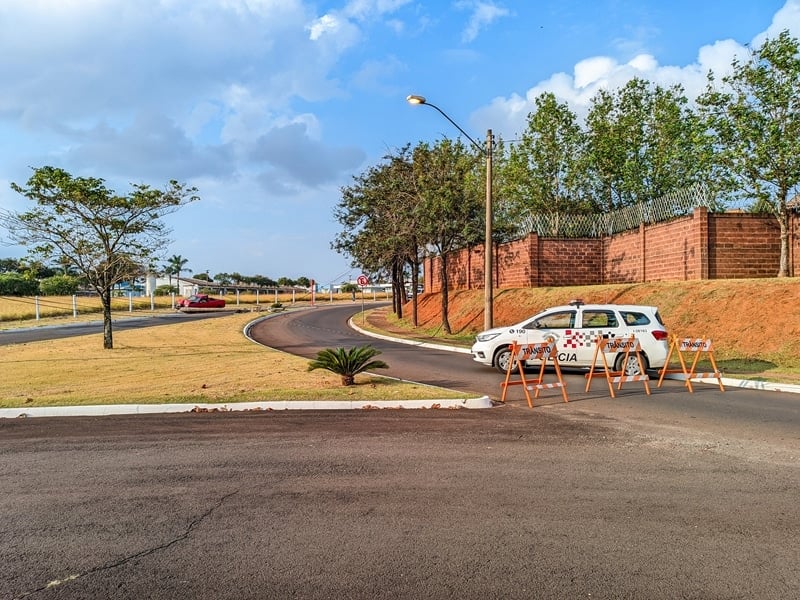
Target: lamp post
x=488, y=295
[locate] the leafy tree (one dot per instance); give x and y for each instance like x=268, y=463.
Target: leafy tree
x=262, y=281
x=454, y=213
x=18, y=284
x=58, y=285
x=104, y=235
x=165, y=290
x=380, y=217
x=202, y=277
x=347, y=363
x=9, y=265
x=303, y=282
x=754, y=120
x=544, y=173
x=642, y=142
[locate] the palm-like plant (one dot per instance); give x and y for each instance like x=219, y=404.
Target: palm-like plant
x=347, y=362
x=175, y=264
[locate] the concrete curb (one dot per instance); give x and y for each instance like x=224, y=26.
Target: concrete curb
x=142, y=409
x=388, y=338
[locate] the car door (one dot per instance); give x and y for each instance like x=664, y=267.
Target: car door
x=559, y=325
x=594, y=322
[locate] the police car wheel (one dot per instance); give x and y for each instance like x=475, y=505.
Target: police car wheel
x=502, y=358
x=631, y=367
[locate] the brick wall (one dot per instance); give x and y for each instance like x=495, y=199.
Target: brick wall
x=702, y=245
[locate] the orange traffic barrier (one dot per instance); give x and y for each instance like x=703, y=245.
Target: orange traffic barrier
x=699, y=346
x=605, y=345
x=543, y=352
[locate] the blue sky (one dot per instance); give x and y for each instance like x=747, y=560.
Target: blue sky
x=269, y=107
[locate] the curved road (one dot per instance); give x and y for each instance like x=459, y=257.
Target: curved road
x=306, y=332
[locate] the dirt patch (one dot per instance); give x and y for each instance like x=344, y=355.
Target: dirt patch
x=757, y=319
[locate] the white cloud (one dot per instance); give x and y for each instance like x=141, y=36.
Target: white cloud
x=592, y=70
x=787, y=17
x=482, y=14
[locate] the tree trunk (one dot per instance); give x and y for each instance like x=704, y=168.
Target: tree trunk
x=348, y=379
x=108, y=339
x=445, y=299
x=397, y=289
x=783, y=222
x=414, y=288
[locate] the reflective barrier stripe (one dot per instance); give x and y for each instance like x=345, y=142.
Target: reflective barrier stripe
x=698, y=346
x=543, y=352
x=604, y=346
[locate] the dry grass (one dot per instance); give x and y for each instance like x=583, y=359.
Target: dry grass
x=21, y=311
x=204, y=361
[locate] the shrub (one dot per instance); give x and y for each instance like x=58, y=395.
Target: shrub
x=58, y=285
x=347, y=363
x=15, y=284
x=165, y=290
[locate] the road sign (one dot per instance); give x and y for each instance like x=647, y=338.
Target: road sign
x=362, y=280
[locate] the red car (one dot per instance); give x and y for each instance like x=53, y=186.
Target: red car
x=201, y=301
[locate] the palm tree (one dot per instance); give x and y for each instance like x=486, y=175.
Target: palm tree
x=175, y=264
x=347, y=363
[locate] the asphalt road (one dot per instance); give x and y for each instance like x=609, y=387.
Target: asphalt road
x=51, y=332
x=664, y=496
x=496, y=503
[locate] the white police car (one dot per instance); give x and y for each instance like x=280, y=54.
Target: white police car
x=575, y=329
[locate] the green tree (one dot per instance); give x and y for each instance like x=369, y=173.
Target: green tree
x=453, y=211
x=10, y=265
x=642, y=142
x=104, y=235
x=347, y=363
x=543, y=174
x=753, y=115
x=380, y=217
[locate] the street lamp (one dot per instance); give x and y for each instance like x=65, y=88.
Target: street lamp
x=488, y=300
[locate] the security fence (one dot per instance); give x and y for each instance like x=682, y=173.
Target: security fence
x=668, y=207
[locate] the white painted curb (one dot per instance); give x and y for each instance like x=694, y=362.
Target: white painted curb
x=388, y=338
x=141, y=409
x=744, y=384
